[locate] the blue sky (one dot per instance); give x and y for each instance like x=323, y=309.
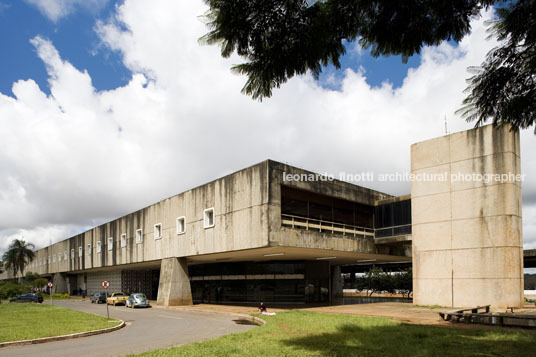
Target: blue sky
x=75, y=38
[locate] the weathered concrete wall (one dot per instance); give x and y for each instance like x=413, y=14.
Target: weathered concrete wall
x=467, y=236
x=174, y=285
x=240, y=203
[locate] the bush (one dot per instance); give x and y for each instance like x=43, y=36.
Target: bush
x=61, y=296
x=10, y=289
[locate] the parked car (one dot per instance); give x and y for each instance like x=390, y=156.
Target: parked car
x=28, y=298
x=117, y=298
x=137, y=299
x=98, y=298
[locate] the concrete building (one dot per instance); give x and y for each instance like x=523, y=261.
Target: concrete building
x=277, y=233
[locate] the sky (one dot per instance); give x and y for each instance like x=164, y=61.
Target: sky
x=106, y=107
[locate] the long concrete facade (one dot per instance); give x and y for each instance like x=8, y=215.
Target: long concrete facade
x=467, y=233
x=237, y=218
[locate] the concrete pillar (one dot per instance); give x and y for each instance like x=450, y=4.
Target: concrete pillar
x=59, y=283
x=467, y=233
x=174, y=285
x=336, y=285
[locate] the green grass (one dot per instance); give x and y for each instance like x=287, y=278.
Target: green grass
x=24, y=321
x=301, y=333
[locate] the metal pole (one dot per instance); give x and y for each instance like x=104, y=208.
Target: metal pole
x=107, y=311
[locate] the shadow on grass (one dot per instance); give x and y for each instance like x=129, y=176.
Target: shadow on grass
x=415, y=340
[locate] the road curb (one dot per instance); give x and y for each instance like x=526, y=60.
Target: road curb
x=63, y=337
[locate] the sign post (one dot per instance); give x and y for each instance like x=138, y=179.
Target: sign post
x=105, y=285
x=50, y=291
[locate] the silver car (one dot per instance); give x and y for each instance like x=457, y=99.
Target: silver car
x=137, y=299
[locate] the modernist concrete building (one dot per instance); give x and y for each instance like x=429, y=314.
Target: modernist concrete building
x=276, y=233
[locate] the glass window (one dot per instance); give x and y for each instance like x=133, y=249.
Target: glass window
x=123, y=240
x=54, y=258
x=181, y=225
x=89, y=249
x=158, y=231
x=139, y=236
x=208, y=216
x=65, y=255
x=110, y=243
x=80, y=250
x=72, y=253
x=99, y=246
x=59, y=257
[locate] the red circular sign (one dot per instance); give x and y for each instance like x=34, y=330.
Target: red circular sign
x=49, y=284
x=105, y=284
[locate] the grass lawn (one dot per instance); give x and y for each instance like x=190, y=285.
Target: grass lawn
x=23, y=321
x=301, y=333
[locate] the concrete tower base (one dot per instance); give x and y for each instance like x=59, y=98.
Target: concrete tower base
x=467, y=231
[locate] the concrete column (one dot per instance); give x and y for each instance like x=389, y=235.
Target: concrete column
x=174, y=286
x=59, y=283
x=467, y=232
x=336, y=285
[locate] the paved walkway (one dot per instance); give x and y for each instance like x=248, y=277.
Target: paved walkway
x=146, y=330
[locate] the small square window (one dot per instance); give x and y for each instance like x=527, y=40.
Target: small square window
x=89, y=249
x=110, y=243
x=80, y=251
x=65, y=255
x=139, y=236
x=123, y=240
x=181, y=225
x=59, y=257
x=72, y=253
x=208, y=218
x=158, y=231
x=99, y=246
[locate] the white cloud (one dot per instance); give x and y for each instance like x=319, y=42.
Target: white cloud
x=56, y=9
x=79, y=156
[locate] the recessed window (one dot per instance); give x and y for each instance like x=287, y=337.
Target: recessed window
x=123, y=240
x=181, y=225
x=65, y=255
x=80, y=251
x=54, y=258
x=49, y=259
x=99, y=246
x=59, y=257
x=89, y=249
x=110, y=243
x=158, y=231
x=72, y=253
x=139, y=236
x=208, y=218
x=40, y=261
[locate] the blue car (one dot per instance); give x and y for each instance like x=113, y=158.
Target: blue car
x=28, y=298
x=137, y=299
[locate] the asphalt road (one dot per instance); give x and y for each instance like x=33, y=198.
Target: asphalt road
x=147, y=329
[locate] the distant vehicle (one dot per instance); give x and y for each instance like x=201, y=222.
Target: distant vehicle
x=98, y=298
x=117, y=298
x=28, y=298
x=137, y=299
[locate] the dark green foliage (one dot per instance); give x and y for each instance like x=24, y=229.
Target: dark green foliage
x=376, y=280
x=18, y=255
x=504, y=87
x=283, y=38
x=11, y=289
